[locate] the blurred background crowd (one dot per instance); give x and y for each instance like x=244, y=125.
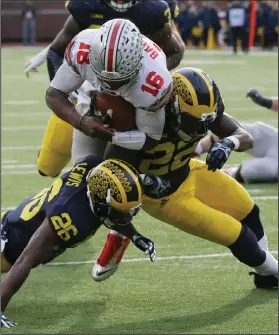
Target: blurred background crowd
x=202, y=24
x=211, y=25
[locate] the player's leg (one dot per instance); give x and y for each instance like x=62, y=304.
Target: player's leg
x=233, y=199
x=55, y=152
x=259, y=170
x=189, y=214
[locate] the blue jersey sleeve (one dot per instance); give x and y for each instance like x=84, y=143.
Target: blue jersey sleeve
x=174, y=9
x=80, y=11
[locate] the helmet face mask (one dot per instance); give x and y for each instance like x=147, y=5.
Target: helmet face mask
x=121, y=5
x=116, y=87
x=109, y=215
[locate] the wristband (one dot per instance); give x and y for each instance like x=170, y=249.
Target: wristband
x=235, y=140
x=133, y=140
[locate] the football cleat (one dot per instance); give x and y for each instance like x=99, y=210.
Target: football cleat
x=112, y=254
x=264, y=282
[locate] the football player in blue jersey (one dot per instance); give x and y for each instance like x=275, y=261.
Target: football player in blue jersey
x=66, y=214
x=154, y=20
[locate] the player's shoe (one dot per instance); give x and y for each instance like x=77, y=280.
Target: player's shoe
x=112, y=254
x=264, y=281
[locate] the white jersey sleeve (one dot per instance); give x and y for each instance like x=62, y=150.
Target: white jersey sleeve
x=76, y=68
x=154, y=86
x=66, y=79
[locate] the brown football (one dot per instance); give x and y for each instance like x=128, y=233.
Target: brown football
x=122, y=116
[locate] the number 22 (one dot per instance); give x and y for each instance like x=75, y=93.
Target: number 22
x=155, y=82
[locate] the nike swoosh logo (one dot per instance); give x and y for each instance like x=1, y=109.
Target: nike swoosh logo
x=102, y=272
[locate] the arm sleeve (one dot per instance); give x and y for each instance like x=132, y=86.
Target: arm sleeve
x=151, y=123
x=161, y=15
x=66, y=79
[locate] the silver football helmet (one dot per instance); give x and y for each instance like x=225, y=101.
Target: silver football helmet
x=116, y=54
x=121, y=5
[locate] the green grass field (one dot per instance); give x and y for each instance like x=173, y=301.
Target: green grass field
x=193, y=287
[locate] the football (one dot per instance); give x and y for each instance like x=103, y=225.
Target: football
x=119, y=113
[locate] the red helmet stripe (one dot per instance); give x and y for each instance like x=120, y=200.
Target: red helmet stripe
x=112, y=41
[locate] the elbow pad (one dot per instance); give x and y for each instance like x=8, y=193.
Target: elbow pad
x=54, y=61
x=133, y=140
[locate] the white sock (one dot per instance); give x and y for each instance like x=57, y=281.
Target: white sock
x=114, y=232
x=199, y=148
x=263, y=243
x=269, y=267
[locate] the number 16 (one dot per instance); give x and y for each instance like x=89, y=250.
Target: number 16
x=155, y=81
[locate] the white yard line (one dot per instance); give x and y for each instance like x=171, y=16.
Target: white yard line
x=167, y=258
x=12, y=161
x=17, y=166
x=266, y=197
x=20, y=148
x=25, y=114
x=23, y=128
x=213, y=62
x=262, y=197
x=21, y=102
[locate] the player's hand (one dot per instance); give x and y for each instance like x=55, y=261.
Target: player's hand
x=254, y=95
x=219, y=153
x=34, y=62
x=155, y=187
x=92, y=126
x=5, y=323
x=145, y=245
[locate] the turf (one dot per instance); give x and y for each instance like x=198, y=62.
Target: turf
x=209, y=295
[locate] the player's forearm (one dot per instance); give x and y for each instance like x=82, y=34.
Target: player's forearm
x=275, y=104
x=59, y=103
x=174, y=59
x=14, y=280
x=127, y=230
x=242, y=139
x=54, y=61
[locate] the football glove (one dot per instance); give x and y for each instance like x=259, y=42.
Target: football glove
x=155, y=187
x=5, y=323
x=36, y=61
x=258, y=98
x=145, y=245
x=219, y=153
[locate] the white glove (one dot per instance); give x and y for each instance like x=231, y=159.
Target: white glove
x=36, y=61
x=5, y=323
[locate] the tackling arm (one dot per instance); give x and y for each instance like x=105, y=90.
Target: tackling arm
x=58, y=46
x=38, y=249
x=228, y=127
x=172, y=46
x=55, y=51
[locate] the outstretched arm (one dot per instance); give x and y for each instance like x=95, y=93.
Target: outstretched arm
x=38, y=249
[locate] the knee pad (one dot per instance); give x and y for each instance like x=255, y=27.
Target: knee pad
x=247, y=250
x=253, y=221
x=55, y=152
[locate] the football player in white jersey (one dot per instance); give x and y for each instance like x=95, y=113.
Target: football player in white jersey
x=119, y=60
x=263, y=166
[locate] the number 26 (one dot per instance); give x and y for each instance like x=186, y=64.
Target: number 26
x=154, y=82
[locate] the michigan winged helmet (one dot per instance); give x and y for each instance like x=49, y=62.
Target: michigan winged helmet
x=114, y=189
x=196, y=100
